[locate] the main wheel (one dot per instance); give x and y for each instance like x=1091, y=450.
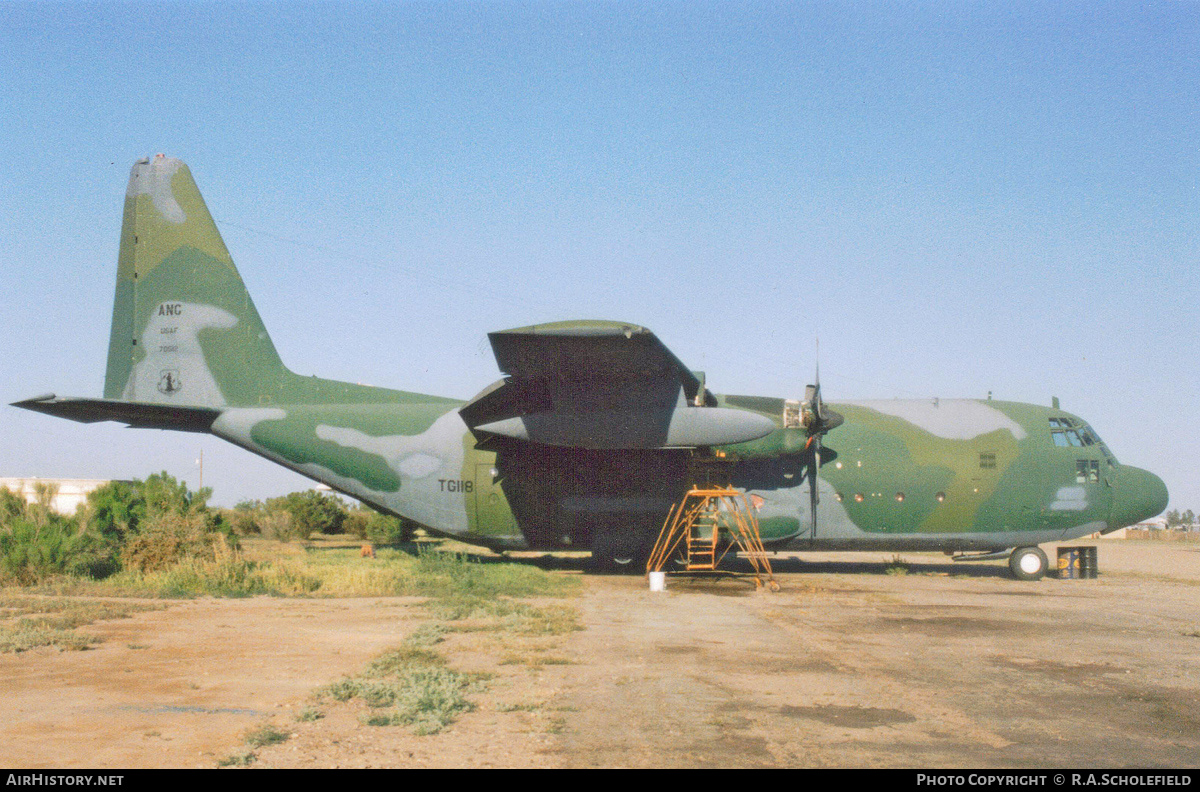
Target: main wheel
x=1028, y=563
x=621, y=553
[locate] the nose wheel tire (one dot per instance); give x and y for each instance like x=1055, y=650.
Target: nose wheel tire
x=1028, y=563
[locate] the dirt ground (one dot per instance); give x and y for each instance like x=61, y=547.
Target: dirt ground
x=948, y=665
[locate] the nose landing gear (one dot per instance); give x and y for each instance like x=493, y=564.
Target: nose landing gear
x=1028, y=563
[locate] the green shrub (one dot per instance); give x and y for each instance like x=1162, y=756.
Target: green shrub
x=31, y=552
x=382, y=529
x=12, y=505
x=120, y=507
x=278, y=524
x=238, y=760
x=311, y=512
x=165, y=539
x=267, y=734
x=114, y=509
x=388, y=530
x=356, y=523
x=243, y=518
x=415, y=684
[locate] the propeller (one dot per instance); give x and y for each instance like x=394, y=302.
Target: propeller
x=817, y=420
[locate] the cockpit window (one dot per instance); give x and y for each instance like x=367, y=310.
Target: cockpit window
x=1065, y=434
x=1070, y=433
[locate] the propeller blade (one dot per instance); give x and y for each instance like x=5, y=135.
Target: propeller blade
x=814, y=496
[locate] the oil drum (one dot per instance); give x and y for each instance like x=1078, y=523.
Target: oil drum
x=1068, y=563
x=1089, y=565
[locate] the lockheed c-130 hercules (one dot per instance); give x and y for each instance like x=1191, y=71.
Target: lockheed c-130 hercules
x=595, y=430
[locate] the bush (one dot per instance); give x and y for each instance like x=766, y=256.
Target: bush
x=311, y=512
x=415, y=683
x=12, y=505
x=356, y=523
x=120, y=507
x=37, y=543
x=166, y=539
x=113, y=509
x=244, y=518
x=278, y=524
x=384, y=529
x=267, y=734
x=31, y=551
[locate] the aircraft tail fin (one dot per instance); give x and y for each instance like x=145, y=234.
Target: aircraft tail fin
x=184, y=330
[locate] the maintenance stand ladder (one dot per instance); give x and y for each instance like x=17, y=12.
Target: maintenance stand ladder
x=693, y=528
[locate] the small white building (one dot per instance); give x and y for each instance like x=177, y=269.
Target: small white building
x=71, y=492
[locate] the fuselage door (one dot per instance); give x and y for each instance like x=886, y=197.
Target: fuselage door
x=493, y=517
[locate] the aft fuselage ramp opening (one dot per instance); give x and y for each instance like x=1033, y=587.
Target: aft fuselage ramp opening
x=703, y=527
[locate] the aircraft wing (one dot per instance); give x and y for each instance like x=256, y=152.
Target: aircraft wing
x=135, y=414
x=601, y=385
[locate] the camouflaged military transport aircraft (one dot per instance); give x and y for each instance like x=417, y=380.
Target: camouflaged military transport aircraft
x=594, y=432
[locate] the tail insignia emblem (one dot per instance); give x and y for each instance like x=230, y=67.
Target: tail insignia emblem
x=169, y=384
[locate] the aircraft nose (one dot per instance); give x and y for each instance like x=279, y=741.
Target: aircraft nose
x=1139, y=495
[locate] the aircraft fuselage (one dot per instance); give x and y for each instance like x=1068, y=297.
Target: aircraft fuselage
x=898, y=474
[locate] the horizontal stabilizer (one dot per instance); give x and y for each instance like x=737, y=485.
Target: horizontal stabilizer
x=135, y=414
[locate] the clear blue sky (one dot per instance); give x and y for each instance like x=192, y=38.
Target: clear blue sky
x=956, y=198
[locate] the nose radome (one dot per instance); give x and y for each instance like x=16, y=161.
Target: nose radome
x=1139, y=495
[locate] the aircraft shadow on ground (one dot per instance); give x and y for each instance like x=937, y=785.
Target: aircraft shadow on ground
x=886, y=567
x=731, y=567
x=790, y=565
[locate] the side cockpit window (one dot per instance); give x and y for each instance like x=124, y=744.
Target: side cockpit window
x=1087, y=471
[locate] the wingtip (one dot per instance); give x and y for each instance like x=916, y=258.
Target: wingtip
x=45, y=397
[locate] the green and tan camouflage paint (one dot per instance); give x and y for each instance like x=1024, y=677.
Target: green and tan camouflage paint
x=934, y=473
x=946, y=474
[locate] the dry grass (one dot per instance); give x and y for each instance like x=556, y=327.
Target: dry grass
x=463, y=582
x=27, y=622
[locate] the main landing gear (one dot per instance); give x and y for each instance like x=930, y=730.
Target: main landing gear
x=1028, y=563
x=621, y=553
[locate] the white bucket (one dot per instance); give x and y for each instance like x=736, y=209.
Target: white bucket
x=658, y=581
